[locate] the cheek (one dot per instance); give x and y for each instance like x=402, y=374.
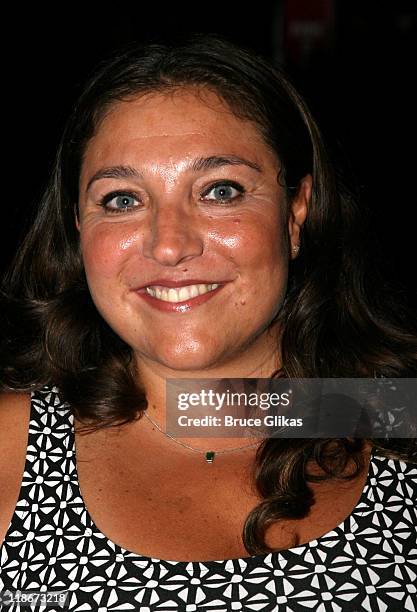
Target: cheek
x=255, y=243
x=257, y=246
x=104, y=249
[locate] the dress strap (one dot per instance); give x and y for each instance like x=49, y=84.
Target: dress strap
x=49, y=478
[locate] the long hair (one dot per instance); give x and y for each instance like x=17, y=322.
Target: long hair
x=336, y=321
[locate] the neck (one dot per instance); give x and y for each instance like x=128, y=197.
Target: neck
x=258, y=361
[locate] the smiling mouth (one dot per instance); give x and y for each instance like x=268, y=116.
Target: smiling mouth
x=179, y=294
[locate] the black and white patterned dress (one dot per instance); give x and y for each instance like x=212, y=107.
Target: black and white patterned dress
x=369, y=562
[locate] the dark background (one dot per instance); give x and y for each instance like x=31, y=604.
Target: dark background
x=354, y=61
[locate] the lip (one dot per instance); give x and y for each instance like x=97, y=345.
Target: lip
x=179, y=283
x=185, y=306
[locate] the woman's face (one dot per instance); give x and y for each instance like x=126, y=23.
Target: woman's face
x=184, y=230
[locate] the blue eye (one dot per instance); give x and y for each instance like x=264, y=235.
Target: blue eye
x=118, y=201
x=223, y=191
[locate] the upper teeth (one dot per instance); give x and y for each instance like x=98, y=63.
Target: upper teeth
x=180, y=294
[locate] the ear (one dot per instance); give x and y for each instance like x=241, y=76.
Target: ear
x=298, y=212
x=77, y=221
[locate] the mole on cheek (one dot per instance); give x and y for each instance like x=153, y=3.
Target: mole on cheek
x=236, y=220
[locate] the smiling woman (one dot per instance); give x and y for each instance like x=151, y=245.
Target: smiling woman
x=178, y=231
x=194, y=227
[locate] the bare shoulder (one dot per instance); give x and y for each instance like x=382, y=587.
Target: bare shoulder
x=14, y=408
x=15, y=399
x=14, y=425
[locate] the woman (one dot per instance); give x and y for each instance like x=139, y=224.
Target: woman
x=194, y=228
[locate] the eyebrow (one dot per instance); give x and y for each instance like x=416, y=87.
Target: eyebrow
x=197, y=165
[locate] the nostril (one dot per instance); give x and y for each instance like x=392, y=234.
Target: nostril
x=169, y=247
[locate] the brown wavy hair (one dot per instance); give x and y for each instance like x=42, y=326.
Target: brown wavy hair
x=338, y=318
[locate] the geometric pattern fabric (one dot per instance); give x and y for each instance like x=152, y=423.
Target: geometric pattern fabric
x=368, y=562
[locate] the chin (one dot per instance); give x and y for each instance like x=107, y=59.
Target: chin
x=186, y=363
x=190, y=358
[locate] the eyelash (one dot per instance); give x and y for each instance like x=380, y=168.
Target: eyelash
x=114, y=194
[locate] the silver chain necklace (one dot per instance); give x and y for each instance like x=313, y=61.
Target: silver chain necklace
x=209, y=455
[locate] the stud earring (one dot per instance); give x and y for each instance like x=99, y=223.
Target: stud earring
x=296, y=248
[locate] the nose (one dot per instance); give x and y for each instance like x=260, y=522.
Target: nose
x=173, y=236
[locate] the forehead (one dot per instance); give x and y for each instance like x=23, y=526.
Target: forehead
x=176, y=123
